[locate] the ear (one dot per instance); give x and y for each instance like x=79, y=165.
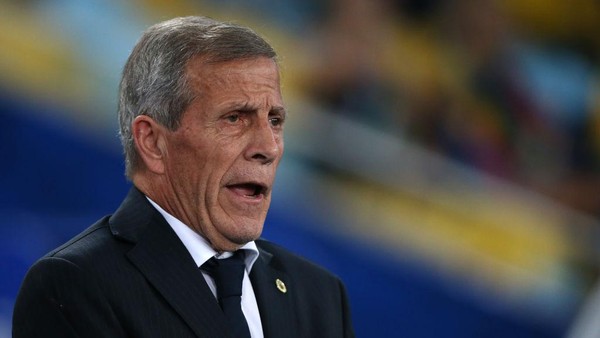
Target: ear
x=149, y=137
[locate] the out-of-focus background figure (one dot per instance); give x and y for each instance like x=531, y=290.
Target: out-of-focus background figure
x=442, y=157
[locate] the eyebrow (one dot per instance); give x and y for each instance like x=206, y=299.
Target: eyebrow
x=279, y=110
x=250, y=108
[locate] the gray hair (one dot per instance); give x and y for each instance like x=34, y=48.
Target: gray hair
x=154, y=81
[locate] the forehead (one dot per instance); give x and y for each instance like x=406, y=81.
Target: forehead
x=250, y=74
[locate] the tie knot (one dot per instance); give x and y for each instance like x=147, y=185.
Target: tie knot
x=228, y=274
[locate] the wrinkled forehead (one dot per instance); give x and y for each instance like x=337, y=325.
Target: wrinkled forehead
x=259, y=72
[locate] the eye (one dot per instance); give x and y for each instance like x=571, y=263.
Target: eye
x=276, y=121
x=233, y=118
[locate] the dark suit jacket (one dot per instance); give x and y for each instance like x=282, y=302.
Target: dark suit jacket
x=129, y=275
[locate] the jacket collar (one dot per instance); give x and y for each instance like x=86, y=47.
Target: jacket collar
x=161, y=257
x=133, y=216
x=274, y=291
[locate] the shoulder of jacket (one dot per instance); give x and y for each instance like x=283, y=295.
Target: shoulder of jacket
x=88, y=240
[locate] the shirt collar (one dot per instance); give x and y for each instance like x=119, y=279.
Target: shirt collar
x=198, y=246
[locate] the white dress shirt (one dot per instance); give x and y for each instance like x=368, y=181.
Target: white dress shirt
x=201, y=252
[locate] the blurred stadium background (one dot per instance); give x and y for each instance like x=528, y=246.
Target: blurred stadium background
x=441, y=156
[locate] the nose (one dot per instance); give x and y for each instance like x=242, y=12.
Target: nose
x=265, y=144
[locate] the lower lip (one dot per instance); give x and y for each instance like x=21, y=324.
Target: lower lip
x=243, y=198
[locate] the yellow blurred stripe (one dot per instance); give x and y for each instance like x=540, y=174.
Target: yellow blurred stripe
x=36, y=60
x=503, y=244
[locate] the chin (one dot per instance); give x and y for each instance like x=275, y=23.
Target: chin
x=247, y=233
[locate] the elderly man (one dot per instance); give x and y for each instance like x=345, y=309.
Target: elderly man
x=201, y=118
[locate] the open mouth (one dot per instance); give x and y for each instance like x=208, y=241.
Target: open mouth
x=252, y=190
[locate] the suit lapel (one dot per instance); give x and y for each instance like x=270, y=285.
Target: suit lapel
x=276, y=307
x=163, y=260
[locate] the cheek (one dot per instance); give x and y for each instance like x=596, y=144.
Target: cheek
x=215, y=167
x=192, y=150
x=281, y=147
x=188, y=162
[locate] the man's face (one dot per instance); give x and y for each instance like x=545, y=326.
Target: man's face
x=220, y=163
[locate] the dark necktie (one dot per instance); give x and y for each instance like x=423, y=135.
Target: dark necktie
x=228, y=274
